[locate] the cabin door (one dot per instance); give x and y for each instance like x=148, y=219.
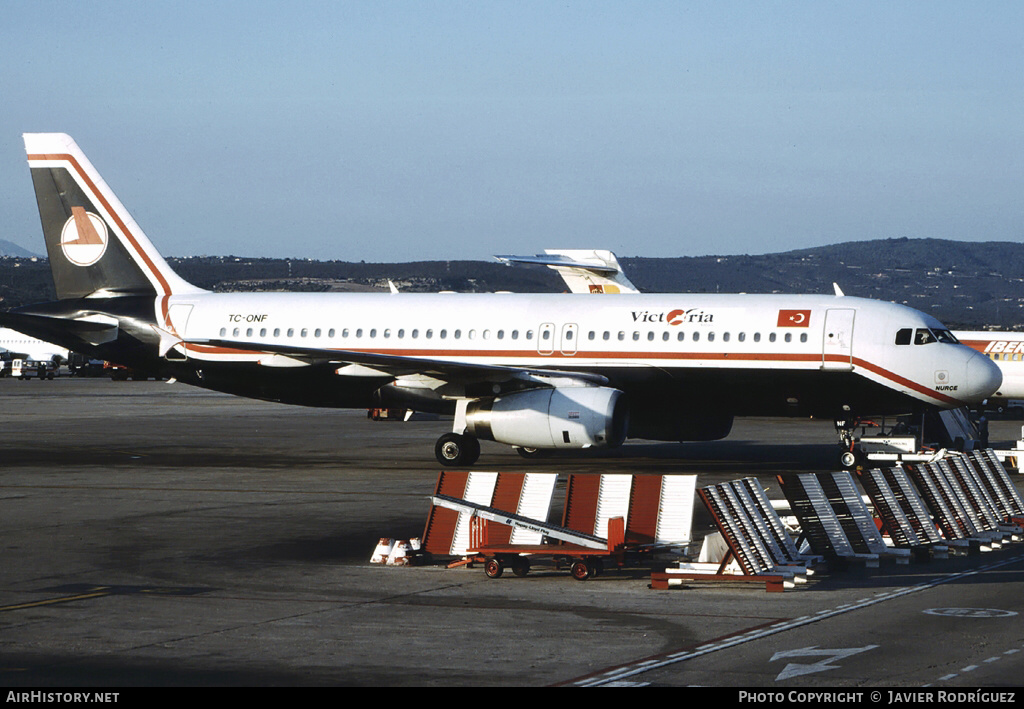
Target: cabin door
x=837, y=342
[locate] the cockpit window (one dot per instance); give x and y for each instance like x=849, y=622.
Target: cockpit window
x=946, y=336
x=903, y=336
x=924, y=336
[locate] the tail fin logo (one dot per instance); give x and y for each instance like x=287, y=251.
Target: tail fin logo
x=83, y=238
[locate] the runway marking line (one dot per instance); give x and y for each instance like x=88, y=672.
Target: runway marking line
x=53, y=601
x=104, y=591
x=621, y=672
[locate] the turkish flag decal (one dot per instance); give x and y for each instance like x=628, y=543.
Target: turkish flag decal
x=794, y=318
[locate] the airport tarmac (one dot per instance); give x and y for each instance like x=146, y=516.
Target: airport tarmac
x=159, y=535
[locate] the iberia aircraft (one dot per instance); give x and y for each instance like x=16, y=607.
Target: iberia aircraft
x=531, y=371
x=1006, y=349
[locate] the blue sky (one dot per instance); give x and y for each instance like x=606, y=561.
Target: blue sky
x=415, y=130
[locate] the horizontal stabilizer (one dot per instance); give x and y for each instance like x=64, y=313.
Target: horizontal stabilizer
x=57, y=330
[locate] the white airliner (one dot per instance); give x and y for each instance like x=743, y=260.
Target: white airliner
x=531, y=371
x=22, y=346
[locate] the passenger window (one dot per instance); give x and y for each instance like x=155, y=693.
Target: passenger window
x=696, y=337
x=903, y=336
x=591, y=335
x=387, y=332
x=789, y=337
x=235, y=332
x=681, y=336
x=501, y=334
x=359, y=332
x=665, y=336
x=444, y=334
x=401, y=333
x=636, y=335
x=373, y=332
x=711, y=337
x=304, y=331
x=606, y=335
x=316, y=333
x=725, y=337
x=415, y=333
x=803, y=337
x=486, y=334
x=757, y=337
x=277, y=332
x=529, y=334
x=291, y=332
x=650, y=335
x=429, y=334
x=771, y=337
x=330, y=333
x=248, y=332
x=515, y=334
x=263, y=332
x=622, y=335
x=568, y=334
x=458, y=334
x=546, y=335
x=223, y=331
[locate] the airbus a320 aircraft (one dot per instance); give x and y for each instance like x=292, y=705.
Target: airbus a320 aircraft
x=532, y=371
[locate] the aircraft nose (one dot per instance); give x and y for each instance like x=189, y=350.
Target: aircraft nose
x=983, y=378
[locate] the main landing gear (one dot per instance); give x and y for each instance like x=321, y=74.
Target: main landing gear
x=457, y=449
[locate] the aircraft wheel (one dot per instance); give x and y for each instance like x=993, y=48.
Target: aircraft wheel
x=530, y=453
x=456, y=449
x=493, y=568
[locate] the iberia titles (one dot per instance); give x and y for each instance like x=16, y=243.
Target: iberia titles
x=674, y=317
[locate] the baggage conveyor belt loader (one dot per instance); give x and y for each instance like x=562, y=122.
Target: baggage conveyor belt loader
x=584, y=553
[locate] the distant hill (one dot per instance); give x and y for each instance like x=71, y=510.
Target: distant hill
x=966, y=285
x=9, y=248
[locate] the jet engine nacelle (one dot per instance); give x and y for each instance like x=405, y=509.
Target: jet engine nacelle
x=559, y=417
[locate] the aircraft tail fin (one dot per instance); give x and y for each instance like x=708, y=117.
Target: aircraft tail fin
x=582, y=270
x=94, y=246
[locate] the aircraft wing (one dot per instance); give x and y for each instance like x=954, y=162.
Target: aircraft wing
x=402, y=365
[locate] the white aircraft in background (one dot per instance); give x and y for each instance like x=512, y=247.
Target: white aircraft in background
x=531, y=371
x=22, y=346
x=582, y=270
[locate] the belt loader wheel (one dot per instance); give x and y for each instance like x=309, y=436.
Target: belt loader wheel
x=520, y=567
x=581, y=570
x=493, y=568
